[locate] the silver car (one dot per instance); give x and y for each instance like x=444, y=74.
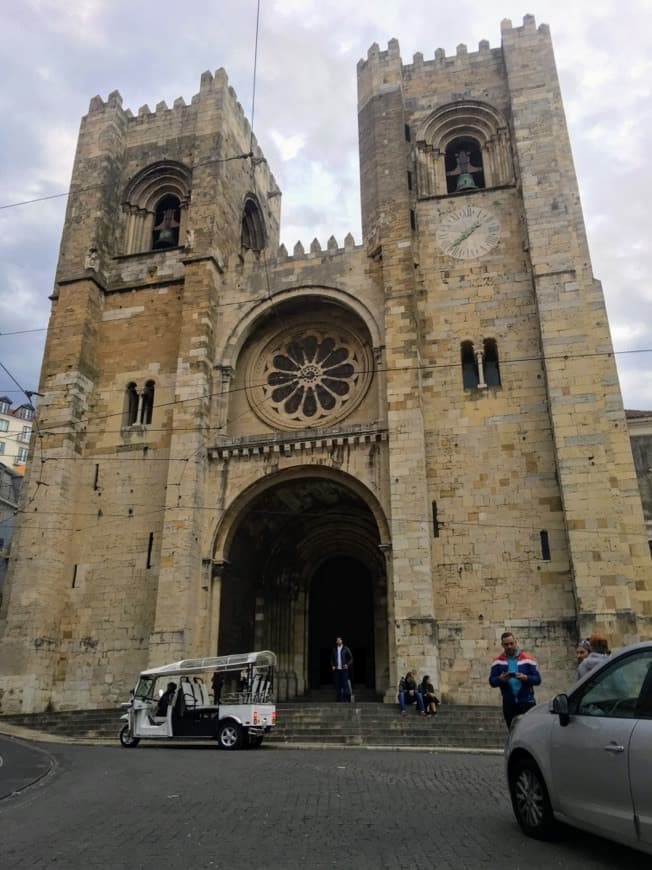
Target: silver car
x=586, y=757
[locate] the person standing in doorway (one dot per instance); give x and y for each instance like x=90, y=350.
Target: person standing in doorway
x=515, y=673
x=341, y=661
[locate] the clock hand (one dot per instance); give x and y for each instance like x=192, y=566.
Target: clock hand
x=467, y=233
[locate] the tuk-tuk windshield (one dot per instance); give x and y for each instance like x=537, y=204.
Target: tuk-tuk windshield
x=145, y=688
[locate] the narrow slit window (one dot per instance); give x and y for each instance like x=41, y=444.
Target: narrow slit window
x=435, y=520
x=413, y=219
x=545, y=546
x=74, y=576
x=97, y=476
x=131, y=409
x=470, y=378
x=491, y=366
x=147, y=406
x=150, y=544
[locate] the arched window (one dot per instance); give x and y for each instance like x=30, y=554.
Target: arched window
x=156, y=204
x=491, y=367
x=167, y=220
x=131, y=405
x=139, y=406
x=462, y=146
x=147, y=403
x=253, y=226
x=480, y=368
x=464, y=165
x=470, y=377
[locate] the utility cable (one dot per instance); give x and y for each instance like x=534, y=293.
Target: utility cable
x=379, y=369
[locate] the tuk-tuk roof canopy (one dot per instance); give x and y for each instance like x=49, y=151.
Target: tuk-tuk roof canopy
x=235, y=662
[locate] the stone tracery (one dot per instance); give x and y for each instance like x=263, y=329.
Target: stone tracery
x=313, y=375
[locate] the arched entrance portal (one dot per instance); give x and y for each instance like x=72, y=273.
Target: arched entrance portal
x=304, y=565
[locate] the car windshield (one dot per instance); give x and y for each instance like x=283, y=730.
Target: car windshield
x=615, y=691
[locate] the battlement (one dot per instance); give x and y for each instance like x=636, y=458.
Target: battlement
x=251, y=259
x=392, y=55
x=213, y=88
x=316, y=251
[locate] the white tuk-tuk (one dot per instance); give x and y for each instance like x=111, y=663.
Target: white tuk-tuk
x=173, y=701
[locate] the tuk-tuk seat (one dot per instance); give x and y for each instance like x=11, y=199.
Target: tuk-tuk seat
x=201, y=693
x=189, y=697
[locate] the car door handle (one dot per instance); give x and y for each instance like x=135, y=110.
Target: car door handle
x=614, y=747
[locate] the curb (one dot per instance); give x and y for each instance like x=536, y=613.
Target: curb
x=52, y=766
x=30, y=735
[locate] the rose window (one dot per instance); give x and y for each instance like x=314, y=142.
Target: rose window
x=308, y=379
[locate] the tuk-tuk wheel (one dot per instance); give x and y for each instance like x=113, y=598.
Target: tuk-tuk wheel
x=127, y=739
x=230, y=735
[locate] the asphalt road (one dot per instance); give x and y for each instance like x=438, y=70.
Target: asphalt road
x=21, y=765
x=172, y=807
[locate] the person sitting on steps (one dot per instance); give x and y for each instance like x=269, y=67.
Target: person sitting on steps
x=409, y=694
x=430, y=700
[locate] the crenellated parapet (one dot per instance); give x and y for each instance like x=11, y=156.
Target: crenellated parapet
x=378, y=63
x=313, y=253
x=214, y=89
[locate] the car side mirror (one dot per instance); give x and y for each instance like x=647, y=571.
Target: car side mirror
x=559, y=706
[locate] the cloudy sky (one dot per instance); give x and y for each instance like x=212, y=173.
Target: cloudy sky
x=57, y=54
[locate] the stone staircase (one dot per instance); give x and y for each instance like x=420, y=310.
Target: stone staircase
x=374, y=724
x=312, y=722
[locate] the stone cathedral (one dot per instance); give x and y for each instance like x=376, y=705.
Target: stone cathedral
x=413, y=442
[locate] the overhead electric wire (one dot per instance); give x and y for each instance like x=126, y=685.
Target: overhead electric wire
x=378, y=369
x=253, y=89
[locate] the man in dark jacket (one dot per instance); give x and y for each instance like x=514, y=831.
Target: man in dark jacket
x=515, y=673
x=341, y=661
x=408, y=693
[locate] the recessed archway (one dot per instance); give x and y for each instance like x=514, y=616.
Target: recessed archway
x=304, y=565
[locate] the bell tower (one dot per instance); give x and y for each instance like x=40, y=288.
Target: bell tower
x=506, y=423
x=159, y=203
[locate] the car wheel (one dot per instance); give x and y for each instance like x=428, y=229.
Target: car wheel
x=530, y=800
x=254, y=742
x=230, y=735
x=127, y=738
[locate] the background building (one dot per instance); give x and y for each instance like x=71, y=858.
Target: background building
x=640, y=433
x=412, y=443
x=10, y=487
x=15, y=433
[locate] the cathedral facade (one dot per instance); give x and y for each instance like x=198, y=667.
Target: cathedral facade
x=413, y=442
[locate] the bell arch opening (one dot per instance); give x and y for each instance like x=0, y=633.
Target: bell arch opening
x=304, y=566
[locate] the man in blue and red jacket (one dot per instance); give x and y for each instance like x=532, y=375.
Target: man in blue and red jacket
x=514, y=673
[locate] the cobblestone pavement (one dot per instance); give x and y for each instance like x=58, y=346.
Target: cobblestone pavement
x=174, y=807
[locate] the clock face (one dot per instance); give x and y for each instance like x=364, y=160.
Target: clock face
x=468, y=232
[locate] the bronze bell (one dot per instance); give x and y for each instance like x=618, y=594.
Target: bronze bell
x=465, y=182
x=165, y=238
